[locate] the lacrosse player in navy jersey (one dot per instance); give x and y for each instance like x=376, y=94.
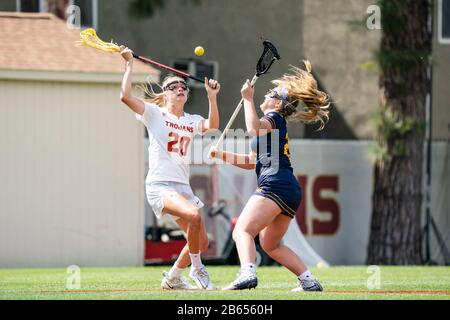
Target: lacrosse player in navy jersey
x=273, y=205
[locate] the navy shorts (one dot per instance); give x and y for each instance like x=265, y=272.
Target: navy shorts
x=286, y=193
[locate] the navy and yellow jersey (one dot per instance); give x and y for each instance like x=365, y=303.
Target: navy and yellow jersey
x=276, y=180
x=269, y=159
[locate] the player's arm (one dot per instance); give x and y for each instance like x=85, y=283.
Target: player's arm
x=255, y=125
x=212, y=89
x=243, y=161
x=126, y=97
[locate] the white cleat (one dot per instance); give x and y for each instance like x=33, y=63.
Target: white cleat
x=201, y=278
x=244, y=280
x=308, y=285
x=298, y=289
x=179, y=283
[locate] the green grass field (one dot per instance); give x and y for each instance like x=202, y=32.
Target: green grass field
x=275, y=283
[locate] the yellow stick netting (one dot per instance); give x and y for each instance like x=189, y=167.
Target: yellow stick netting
x=89, y=38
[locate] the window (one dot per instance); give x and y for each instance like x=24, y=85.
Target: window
x=199, y=69
x=88, y=9
x=29, y=5
x=444, y=21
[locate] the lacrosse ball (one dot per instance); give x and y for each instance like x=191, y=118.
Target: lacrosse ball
x=199, y=51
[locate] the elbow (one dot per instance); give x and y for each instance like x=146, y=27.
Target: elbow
x=252, y=132
x=124, y=98
x=249, y=163
x=214, y=125
x=247, y=167
x=253, y=129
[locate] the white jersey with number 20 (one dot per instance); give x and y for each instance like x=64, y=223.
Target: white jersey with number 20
x=170, y=141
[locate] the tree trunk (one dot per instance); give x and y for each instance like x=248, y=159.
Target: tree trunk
x=395, y=237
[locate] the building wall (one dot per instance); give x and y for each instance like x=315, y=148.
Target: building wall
x=338, y=44
x=440, y=198
x=229, y=31
x=8, y=5
x=441, y=94
x=71, y=166
x=319, y=30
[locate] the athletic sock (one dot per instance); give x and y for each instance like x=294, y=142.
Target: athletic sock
x=307, y=275
x=196, y=260
x=175, y=272
x=250, y=267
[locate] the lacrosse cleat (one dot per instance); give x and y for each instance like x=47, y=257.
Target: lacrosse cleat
x=201, y=278
x=177, y=283
x=308, y=285
x=245, y=280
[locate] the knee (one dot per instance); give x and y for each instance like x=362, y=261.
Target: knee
x=235, y=234
x=195, y=217
x=267, y=245
x=239, y=233
x=243, y=231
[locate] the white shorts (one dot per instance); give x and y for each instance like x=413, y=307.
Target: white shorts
x=157, y=191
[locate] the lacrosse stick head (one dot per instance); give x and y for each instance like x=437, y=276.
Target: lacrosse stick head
x=268, y=57
x=89, y=38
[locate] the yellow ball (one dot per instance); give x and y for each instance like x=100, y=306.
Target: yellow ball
x=199, y=51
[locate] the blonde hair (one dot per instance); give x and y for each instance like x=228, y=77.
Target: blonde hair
x=303, y=90
x=151, y=96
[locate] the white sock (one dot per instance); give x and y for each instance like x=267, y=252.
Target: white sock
x=307, y=275
x=196, y=260
x=249, y=267
x=175, y=272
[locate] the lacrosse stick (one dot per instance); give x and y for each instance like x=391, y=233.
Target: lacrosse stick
x=268, y=57
x=89, y=38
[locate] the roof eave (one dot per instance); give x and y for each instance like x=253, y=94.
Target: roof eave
x=73, y=76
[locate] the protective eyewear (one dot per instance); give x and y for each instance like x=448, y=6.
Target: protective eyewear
x=173, y=86
x=274, y=95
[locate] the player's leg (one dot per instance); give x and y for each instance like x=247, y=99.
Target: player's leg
x=178, y=201
x=198, y=274
x=178, y=206
x=257, y=214
x=181, y=209
x=184, y=260
x=270, y=240
x=173, y=279
x=191, y=221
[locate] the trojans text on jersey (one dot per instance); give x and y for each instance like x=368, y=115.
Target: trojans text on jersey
x=179, y=127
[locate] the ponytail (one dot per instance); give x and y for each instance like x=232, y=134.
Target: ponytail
x=151, y=96
x=303, y=91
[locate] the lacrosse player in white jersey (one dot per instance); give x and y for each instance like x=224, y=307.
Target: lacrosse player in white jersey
x=171, y=132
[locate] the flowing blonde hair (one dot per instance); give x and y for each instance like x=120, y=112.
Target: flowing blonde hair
x=153, y=97
x=303, y=91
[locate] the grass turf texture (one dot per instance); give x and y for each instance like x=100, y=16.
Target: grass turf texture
x=275, y=283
